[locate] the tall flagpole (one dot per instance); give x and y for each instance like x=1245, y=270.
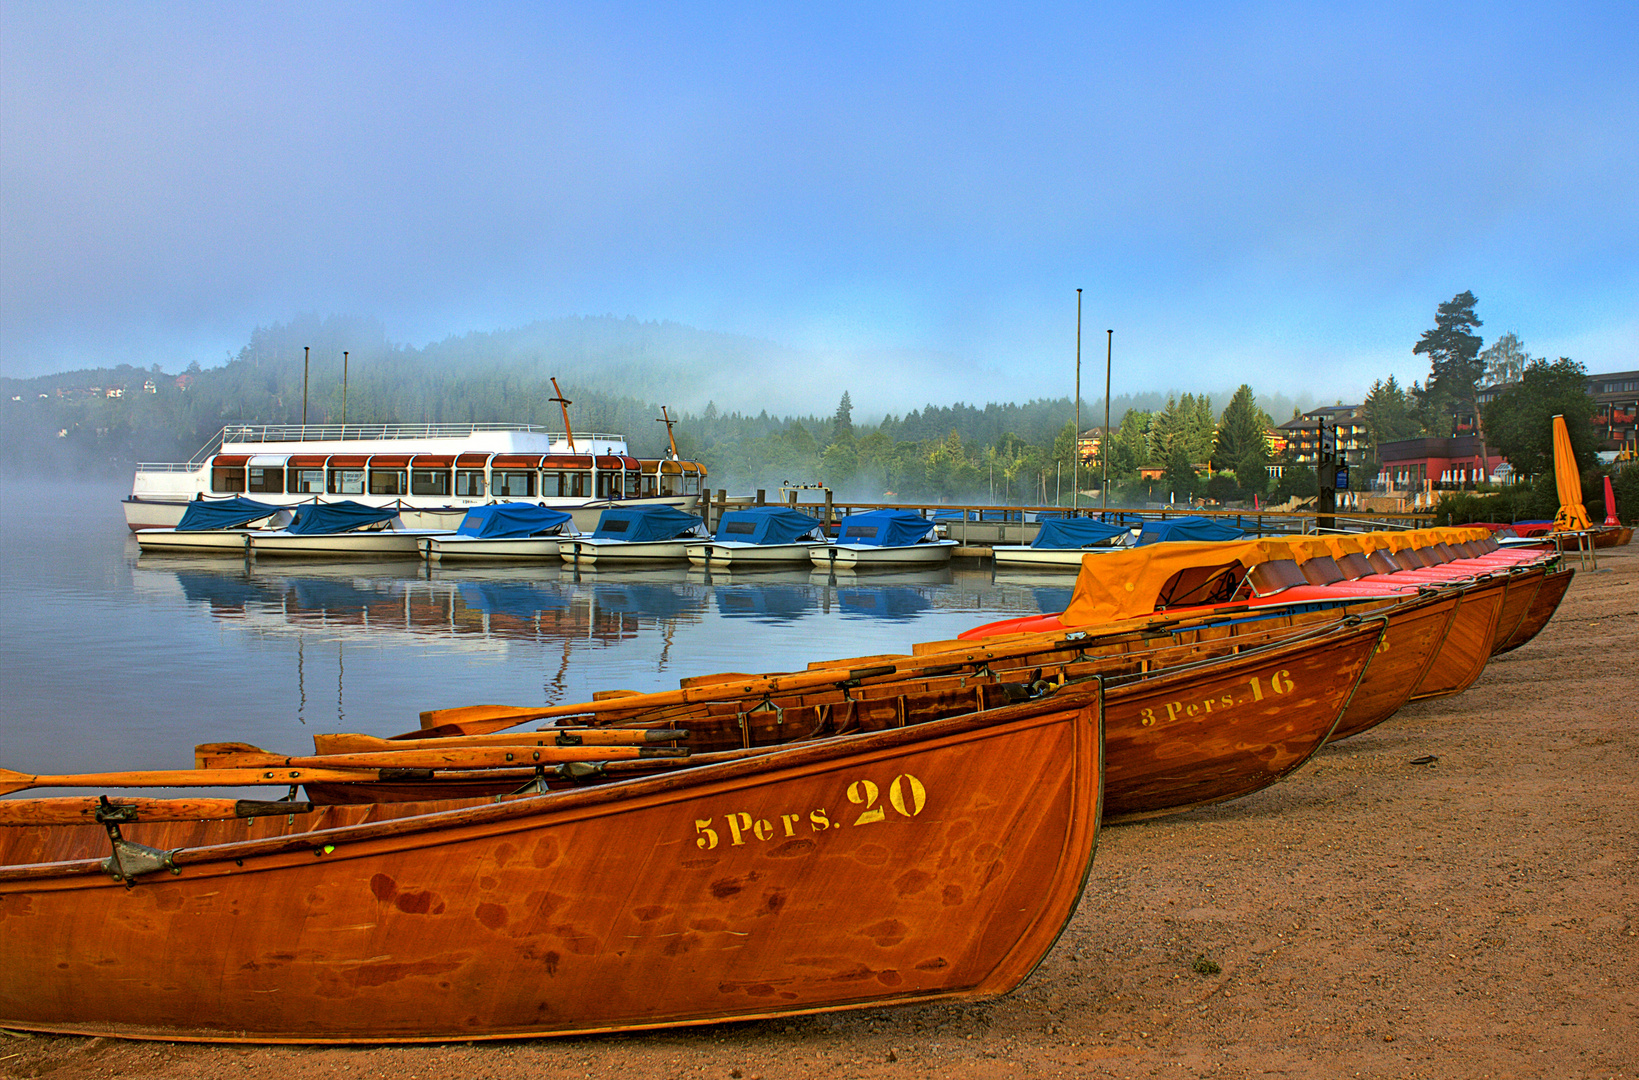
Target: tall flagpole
x=1104, y=443
x=1075, y=443
x=304, y=385
x=344, y=388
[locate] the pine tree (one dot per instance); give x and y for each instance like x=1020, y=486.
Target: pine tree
x=1453, y=354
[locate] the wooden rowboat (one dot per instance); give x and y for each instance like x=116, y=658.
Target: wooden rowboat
x=929, y=862
x=1212, y=714
x=1543, y=605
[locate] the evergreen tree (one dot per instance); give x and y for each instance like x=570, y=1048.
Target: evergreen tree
x=1453, y=354
x=1241, y=432
x=842, y=424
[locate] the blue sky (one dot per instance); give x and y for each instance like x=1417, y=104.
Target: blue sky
x=1271, y=193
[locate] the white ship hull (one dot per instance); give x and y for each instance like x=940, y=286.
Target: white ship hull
x=589, y=551
x=1038, y=558
x=730, y=553
x=456, y=548
x=202, y=541
x=859, y=556
x=384, y=543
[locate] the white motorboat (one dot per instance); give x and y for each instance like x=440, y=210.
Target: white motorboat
x=759, y=536
x=503, y=531
x=432, y=474
x=636, y=534
x=883, y=538
x=343, y=529
x=221, y=526
x=1061, y=543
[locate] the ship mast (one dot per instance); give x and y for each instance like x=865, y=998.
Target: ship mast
x=564, y=404
x=665, y=418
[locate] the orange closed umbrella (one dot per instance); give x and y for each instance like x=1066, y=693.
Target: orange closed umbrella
x=1571, y=516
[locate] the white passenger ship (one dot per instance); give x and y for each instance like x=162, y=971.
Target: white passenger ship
x=432, y=472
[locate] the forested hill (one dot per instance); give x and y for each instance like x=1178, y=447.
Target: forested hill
x=617, y=373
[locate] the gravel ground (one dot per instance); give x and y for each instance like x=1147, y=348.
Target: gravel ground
x=1454, y=894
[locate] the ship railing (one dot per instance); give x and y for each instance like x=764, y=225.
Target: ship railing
x=266, y=433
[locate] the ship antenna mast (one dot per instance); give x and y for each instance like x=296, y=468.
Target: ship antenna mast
x=564, y=403
x=665, y=418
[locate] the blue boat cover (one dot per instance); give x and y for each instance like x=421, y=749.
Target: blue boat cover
x=1067, y=533
x=767, y=525
x=231, y=513
x=1187, y=528
x=508, y=521
x=644, y=523
x=338, y=517
x=884, y=528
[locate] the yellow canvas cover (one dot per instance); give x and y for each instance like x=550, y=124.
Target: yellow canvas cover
x=1128, y=584
x=1571, y=517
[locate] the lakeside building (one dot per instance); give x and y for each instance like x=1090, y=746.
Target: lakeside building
x=1436, y=463
x=1302, y=434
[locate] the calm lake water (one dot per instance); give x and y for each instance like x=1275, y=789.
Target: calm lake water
x=115, y=660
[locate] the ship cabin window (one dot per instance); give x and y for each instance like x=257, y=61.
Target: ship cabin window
x=346, y=482
x=515, y=485
x=270, y=481
x=307, y=482
x=429, y=481
x=228, y=479
x=634, y=485
x=564, y=485
x=651, y=486
x=691, y=484
x=608, y=485
x=469, y=483
x=387, y=482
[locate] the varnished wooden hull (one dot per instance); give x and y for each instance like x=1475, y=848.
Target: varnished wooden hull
x=1467, y=646
x=813, y=878
x=1516, y=604
x=1184, y=739
x=1543, y=605
x=1411, y=642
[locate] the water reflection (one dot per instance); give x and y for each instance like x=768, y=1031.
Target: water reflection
x=383, y=599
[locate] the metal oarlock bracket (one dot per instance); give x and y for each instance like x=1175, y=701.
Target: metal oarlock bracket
x=127, y=860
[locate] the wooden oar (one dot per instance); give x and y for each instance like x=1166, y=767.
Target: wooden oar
x=94, y=810
x=482, y=719
x=11, y=781
x=242, y=756
x=567, y=737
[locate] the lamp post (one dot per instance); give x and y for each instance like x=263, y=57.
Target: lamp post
x=1075, y=440
x=1104, y=443
x=305, y=351
x=344, y=388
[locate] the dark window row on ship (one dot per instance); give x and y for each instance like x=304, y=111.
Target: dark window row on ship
x=470, y=476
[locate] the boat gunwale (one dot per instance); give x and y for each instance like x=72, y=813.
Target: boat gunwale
x=583, y=802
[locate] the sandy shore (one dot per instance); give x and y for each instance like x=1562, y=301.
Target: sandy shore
x=1472, y=916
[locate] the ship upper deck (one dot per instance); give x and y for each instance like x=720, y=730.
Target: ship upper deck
x=276, y=439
